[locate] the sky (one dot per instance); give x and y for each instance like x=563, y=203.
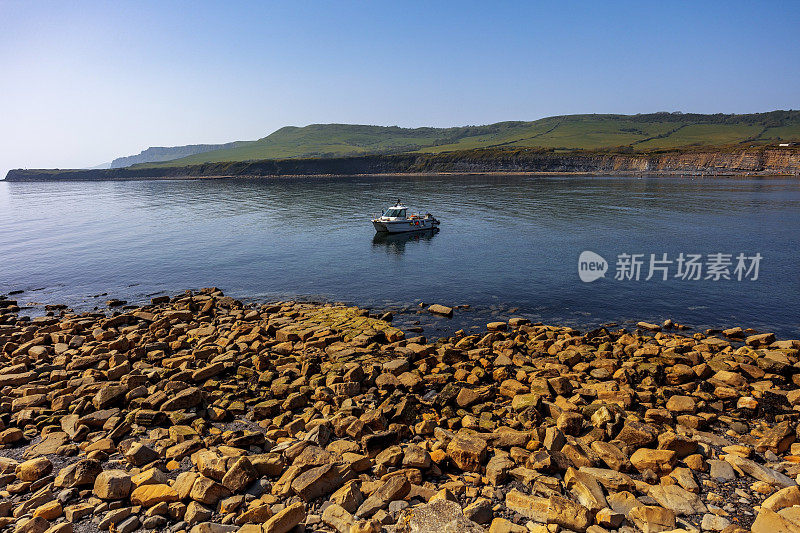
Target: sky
x=84, y=82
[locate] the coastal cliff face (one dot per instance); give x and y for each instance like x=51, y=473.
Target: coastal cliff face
x=782, y=161
x=156, y=154
x=768, y=161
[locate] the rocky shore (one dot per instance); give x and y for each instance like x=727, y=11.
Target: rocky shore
x=198, y=413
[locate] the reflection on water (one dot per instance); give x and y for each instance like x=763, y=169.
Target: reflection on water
x=505, y=240
x=395, y=243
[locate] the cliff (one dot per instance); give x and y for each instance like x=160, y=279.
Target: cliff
x=156, y=154
x=784, y=161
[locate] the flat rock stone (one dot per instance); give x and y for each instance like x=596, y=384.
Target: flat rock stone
x=468, y=452
x=760, y=472
x=677, y=499
x=439, y=516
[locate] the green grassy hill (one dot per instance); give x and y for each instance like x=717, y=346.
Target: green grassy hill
x=641, y=133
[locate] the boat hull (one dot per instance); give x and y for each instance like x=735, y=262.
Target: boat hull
x=403, y=226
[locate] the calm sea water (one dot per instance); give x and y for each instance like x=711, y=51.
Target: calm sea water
x=508, y=245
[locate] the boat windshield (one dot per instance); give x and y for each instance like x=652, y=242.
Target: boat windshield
x=395, y=213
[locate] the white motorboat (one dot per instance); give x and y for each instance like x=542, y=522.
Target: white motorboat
x=397, y=219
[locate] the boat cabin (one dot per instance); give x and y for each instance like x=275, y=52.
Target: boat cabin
x=397, y=211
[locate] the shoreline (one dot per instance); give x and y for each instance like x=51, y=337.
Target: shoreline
x=412, y=315
x=730, y=161
x=612, y=174
x=166, y=415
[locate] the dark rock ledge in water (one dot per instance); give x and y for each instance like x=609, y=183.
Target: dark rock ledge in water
x=198, y=413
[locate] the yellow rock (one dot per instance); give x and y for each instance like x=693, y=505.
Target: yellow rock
x=49, y=511
x=149, y=495
x=34, y=469
x=769, y=521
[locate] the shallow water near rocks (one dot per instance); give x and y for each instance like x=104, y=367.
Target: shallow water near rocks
x=508, y=245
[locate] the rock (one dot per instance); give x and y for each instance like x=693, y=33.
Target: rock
x=609, y=519
x=366, y=526
x=65, y=527
x=758, y=340
x=760, y=472
x=285, y=520
x=48, y=446
x=49, y=511
x=138, y=454
x=467, y=397
x=185, y=399
x=659, y=461
x=154, y=522
x=33, y=469
x=75, y=513
x=777, y=438
x=151, y=476
x=150, y=495
x=129, y=525
x=206, y=490
x=439, y=516
x=479, y=511
x=498, y=467
x=522, y=402
x=197, y=513
x=721, y=470
x=394, y=488
x=610, y=479
x=786, y=497
x=501, y=525
x=83, y=472
x=652, y=519
x=681, y=404
x=113, y=485
x=712, y=522
x=677, y=499
x=11, y=435
x=531, y=507
x=239, y=475
x=467, y=452
x=338, y=518
x=570, y=423
x=441, y=310
x=112, y=517
x=349, y=497
x=769, y=521
x=36, y=524
x=109, y=395
x=317, y=482
x=586, y=489
x=568, y=514
x=611, y=456
x=637, y=434
x=257, y=513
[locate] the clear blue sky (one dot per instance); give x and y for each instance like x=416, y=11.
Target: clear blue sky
x=84, y=82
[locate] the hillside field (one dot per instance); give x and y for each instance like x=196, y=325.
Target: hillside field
x=634, y=133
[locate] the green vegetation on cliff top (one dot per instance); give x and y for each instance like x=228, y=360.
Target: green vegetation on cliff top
x=640, y=133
